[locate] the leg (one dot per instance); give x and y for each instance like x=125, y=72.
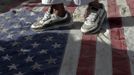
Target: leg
x=59, y=9
x=56, y=6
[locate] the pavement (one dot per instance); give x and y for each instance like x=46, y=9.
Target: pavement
x=67, y=51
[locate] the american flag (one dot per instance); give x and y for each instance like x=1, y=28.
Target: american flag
x=66, y=51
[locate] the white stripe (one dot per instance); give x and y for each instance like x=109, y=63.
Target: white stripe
x=37, y=9
x=103, y=51
x=20, y=7
x=71, y=56
x=128, y=22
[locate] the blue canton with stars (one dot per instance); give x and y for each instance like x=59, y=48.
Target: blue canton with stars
x=25, y=52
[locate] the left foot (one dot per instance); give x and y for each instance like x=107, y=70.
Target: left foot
x=53, y=21
x=94, y=20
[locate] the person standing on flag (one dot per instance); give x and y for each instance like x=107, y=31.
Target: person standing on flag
x=94, y=15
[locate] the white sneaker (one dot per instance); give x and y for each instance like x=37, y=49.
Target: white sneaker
x=42, y=21
x=53, y=21
x=94, y=20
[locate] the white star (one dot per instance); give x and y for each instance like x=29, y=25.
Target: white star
x=22, y=19
x=22, y=32
x=1, y=27
x=123, y=10
x=56, y=45
x=4, y=30
x=11, y=32
x=49, y=39
x=51, y=60
x=35, y=45
x=28, y=38
x=20, y=9
x=12, y=67
x=10, y=36
x=29, y=59
x=32, y=14
x=16, y=25
x=38, y=18
x=43, y=51
x=2, y=15
x=7, y=57
x=15, y=43
x=36, y=66
x=7, y=17
x=2, y=49
x=19, y=73
x=24, y=50
x=28, y=23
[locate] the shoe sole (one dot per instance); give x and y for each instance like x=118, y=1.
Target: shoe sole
x=59, y=24
x=69, y=24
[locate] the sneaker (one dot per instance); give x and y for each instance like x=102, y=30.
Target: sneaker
x=94, y=21
x=50, y=21
x=44, y=20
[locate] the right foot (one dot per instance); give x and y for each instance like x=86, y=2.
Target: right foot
x=41, y=22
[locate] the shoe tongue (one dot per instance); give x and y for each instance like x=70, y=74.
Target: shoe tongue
x=41, y=21
x=94, y=9
x=92, y=16
x=56, y=16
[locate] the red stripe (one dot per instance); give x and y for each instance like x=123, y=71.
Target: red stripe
x=86, y=64
x=120, y=59
x=31, y=5
x=71, y=7
x=131, y=6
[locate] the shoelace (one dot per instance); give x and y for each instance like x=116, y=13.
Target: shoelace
x=91, y=17
x=46, y=17
x=53, y=16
